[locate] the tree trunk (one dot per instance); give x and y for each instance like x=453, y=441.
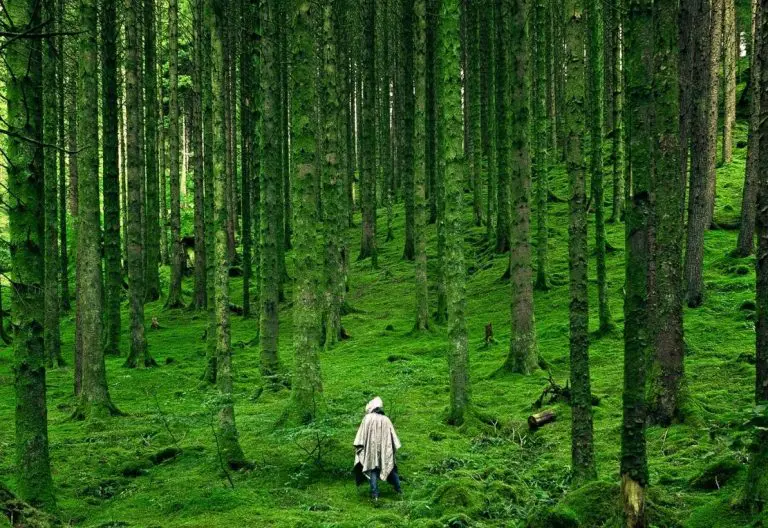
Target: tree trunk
x=666, y=295
x=247, y=150
x=271, y=200
x=618, y=138
x=757, y=478
x=94, y=399
x=199, y=300
x=541, y=134
x=730, y=60
x=451, y=156
x=523, y=355
x=111, y=180
x=177, y=252
x=368, y=135
x=488, y=116
x=746, y=242
x=307, y=21
x=638, y=230
x=52, y=332
x=503, y=126
x=138, y=354
x=419, y=166
x=152, y=245
x=23, y=60
x=62, y=140
x=406, y=138
x=227, y=436
x=594, y=65
x=582, y=448
x=72, y=142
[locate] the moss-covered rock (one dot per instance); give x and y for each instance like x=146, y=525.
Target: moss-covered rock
x=457, y=495
x=557, y=517
x=716, y=474
x=458, y=520
x=385, y=520
x=594, y=504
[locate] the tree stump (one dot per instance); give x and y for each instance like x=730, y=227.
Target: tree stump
x=540, y=419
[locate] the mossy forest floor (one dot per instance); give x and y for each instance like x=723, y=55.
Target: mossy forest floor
x=503, y=475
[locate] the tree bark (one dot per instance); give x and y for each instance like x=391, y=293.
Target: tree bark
x=746, y=241
x=638, y=230
x=451, y=156
x=582, y=447
x=26, y=215
x=419, y=167
x=177, y=252
x=200, y=297
x=541, y=135
x=730, y=60
x=368, y=247
x=152, y=245
x=94, y=401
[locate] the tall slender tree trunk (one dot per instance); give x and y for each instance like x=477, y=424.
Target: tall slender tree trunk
x=638, y=229
x=62, y=140
x=503, y=125
x=52, y=333
x=419, y=166
x=757, y=478
x=200, y=297
x=702, y=91
x=287, y=210
x=405, y=135
x=746, y=241
x=594, y=65
x=730, y=60
x=472, y=106
x=152, y=245
x=488, y=115
x=94, y=401
x=227, y=435
x=618, y=138
x=271, y=200
x=451, y=156
x=523, y=354
x=541, y=91
x=582, y=446
x=139, y=353
x=666, y=295
x=110, y=180
x=177, y=252
x=368, y=247
x=307, y=20
x=73, y=88
x=23, y=60
x=247, y=150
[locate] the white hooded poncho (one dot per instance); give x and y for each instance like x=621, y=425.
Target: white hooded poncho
x=376, y=442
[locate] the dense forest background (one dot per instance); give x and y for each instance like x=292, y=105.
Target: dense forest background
x=537, y=229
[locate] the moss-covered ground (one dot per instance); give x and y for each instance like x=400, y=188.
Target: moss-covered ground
x=500, y=475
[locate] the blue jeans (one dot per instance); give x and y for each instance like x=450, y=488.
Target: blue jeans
x=393, y=479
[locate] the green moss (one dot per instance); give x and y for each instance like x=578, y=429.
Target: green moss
x=717, y=474
x=558, y=517
x=457, y=495
x=595, y=503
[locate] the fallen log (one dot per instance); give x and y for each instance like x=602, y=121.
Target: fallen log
x=541, y=419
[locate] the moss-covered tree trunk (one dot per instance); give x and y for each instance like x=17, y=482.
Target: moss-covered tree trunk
x=333, y=159
x=582, y=447
x=702, y=123
x=94, y=400
x=177, y=253
x=200, y=296
x=618, y=138
x=488, y=115
x=309, y=20
x=541, y=135
x=666, y=295
x=419, y=165
x=209, y=374
x=226, y=429
x=405, y=135
x=639, y=66
x=271, y=202
x=139, y=353
x=523, y=355
x=757, y=479
x=746, y=241
x=383, y=109
x=471, y=78
x=368, y=134
x=437, y=187
x=285, y=160
x=51, y=243
x=247, y=151
x=594, y=59
x=26, y=216
x=451, y=157
x=113, y=280
x=62, y=168
x=432, y=109
x=730, y=58
x=502, y=128
x=152, y=215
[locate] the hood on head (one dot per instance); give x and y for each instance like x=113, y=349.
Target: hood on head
x=374, y=404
